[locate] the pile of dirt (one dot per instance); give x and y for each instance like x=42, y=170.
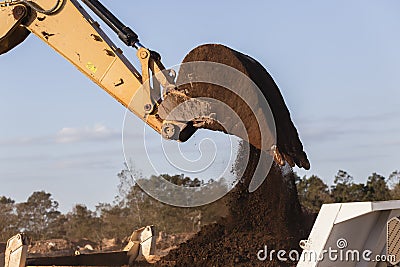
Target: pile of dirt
x=166, y=242
x=269, y=217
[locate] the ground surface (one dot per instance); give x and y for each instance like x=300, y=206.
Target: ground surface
x=270, y=216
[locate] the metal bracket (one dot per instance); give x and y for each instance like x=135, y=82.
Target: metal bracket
x=152, y=66
x=16, y=251
x=144, y=57
x=141, y=244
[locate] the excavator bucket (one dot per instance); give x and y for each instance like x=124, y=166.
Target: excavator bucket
x=9, y=42
x=283, y=135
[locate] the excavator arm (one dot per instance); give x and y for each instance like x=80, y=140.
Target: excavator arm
x=74, y=34
x=69, y=30
x=151, y=93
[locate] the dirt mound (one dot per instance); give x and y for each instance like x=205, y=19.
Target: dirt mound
x=271, y=216
x=166, y=242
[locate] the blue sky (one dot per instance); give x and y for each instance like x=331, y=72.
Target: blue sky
x=336, y=63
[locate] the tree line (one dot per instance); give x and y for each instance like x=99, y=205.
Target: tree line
x=40, y=217
x=313, y=192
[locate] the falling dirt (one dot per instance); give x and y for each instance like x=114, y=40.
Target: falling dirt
x=269, y=217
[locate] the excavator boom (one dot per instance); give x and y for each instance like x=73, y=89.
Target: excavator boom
x=151, y=93
x=70, y=31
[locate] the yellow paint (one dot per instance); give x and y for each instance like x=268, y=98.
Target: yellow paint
x=90, y=66
x=73, y=31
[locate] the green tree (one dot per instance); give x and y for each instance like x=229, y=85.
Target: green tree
x=8, y=218
x=116, y=221
x=58, y=227
x=377, y=189
x=37, y=214
x=313, y=192
x=137, y=208
x=342, y=177
x=393, y=180
x=345, y=190
x=83, y=223
x=393, y=183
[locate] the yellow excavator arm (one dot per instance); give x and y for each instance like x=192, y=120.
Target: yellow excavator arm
x=69, y=30
x=150, y=93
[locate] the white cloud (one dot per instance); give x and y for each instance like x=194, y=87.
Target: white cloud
x=89, y=133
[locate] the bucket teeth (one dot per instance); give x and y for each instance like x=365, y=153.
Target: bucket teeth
x=278, y=157
x=289, y=160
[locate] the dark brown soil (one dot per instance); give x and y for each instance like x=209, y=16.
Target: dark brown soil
x=271, y=216
x=287, y=137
